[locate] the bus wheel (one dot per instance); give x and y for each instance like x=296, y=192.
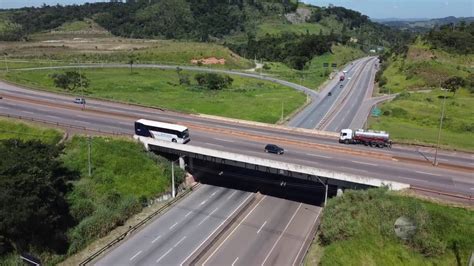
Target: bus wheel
x=174, y=140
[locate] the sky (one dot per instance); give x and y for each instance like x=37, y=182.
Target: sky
x=371, y=8
x=404, y=8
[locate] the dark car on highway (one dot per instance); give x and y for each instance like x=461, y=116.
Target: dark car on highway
x=272, y=148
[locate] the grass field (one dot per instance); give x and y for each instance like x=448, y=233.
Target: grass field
x=415, y=117
x=120, y=50
x=358, y=229
x=123, y=177
x=12, y=128
x=248, y=99
x=424, y=68
x=315, y=74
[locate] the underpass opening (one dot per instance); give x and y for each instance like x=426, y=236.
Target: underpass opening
x=273, y=182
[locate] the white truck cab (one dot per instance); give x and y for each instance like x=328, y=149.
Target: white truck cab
x=346, y=135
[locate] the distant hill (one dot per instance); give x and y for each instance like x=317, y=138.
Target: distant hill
x=276, y=30
x=422, y=25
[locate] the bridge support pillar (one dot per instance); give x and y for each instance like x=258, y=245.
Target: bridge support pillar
x=182, y=164
x=339, y=191
x=190, y=163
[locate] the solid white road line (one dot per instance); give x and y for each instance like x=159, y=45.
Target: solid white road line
x=207, y=217
x=236, y=259
x=372, y=164
x=425, y=173
x=217, y=228
x=134, y=256
x=317, y=155
x=52, y=116
x=28, y=112
x=282, y=233
x=162, y=256
x=231, y=233
x=154, y=240
x=306, y=238
x=173, y=225
x=261, y=227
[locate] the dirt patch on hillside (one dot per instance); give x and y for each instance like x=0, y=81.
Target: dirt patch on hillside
x=419, y=54
x=209, y=61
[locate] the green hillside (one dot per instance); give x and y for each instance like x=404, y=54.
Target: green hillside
x=414, y=115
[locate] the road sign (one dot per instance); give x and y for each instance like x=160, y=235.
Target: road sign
x=376, y=112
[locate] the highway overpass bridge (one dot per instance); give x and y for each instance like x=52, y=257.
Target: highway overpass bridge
x=190, y=153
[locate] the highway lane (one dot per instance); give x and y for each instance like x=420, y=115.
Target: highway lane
x=271, y=233
x=137, y=112
x=312, y=114
x=346, y=112
x=327, y=159
x=173, y=237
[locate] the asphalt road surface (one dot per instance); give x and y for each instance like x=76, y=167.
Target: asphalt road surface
x=273, y=232
x=172, y=238
x=311, y=115
x=117, y=117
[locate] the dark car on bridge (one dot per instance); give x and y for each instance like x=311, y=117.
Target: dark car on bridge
x=80, y=101
x=272, y=148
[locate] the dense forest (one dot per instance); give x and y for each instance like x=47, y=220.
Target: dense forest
x=457, y=38
x=214, y=20
x=178, y=19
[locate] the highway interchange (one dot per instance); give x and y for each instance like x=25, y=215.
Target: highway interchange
x=275, y=227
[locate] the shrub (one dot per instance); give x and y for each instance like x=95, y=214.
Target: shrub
x=213, y=81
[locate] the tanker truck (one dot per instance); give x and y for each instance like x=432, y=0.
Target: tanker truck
x=367, y=137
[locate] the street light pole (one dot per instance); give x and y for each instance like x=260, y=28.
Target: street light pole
x=5, y=57
x=89, y=159
x=435, y=162
x=281, y=112
x=173, y=192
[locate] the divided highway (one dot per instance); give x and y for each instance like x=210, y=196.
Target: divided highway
x=273, y=232
x=172, y=238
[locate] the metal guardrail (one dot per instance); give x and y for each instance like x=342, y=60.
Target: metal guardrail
x=135, y=227
x=464, y=197
x=59, y=124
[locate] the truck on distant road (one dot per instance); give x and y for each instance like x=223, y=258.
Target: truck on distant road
x=367, y=137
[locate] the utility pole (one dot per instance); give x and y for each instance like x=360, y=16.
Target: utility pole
x=435, y=162
x=281, y=112
x=173, y=192
x=89, y=155
x=5, y=57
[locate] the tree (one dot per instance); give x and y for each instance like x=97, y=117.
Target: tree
x=33, y=209
x=70, y=80
x=131, y=60
x=452, y=84
x=213, y=81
